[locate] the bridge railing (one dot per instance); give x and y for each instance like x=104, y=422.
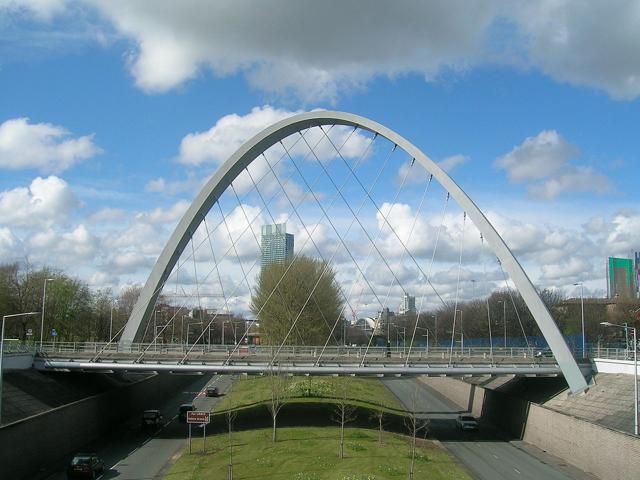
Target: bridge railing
x=295, y=351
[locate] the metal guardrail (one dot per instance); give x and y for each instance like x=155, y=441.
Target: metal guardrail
x=291, y=350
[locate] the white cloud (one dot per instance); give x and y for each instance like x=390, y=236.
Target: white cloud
x=46, y=201
x=623, y=235
x=42, y=10
x=106, y=215
x=544, y=160
x=537, y=157
x=584, y=43
x=414, y=174
x=11, y=248
x=67, y=247
x=42, y=146
x=164, y=215
x=452, y=162
x=227, y=135
x=572, y=180
x=286, y=49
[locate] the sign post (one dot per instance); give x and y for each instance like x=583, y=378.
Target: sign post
x=200, y=417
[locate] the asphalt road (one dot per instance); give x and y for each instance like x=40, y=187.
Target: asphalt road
x=487, y=454
x=130, y=453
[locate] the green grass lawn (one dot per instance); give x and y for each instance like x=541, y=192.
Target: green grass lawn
x=368, y=392
x=311, y=453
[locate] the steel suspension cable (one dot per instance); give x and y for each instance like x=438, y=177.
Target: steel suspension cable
x=513, y=302
x=384, y=217
x=433, y=256
x=488, y=293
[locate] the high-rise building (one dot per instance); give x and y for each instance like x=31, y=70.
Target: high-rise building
x=408, y=304
x=621, y=278
x=637, y=277
x=276, y=244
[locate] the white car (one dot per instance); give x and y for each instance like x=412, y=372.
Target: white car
x=466, y=422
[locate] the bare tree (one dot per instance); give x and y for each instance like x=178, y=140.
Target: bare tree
x=415, y=425
x=278, y=386
x=344, y=412
x=231, y=416
x=378, y=415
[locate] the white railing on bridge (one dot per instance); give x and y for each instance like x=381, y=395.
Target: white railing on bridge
x=292, y=350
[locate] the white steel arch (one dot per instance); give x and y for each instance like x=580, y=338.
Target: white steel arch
x=280, y=130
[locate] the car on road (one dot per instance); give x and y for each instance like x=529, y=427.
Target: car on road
x=466, y=422
x=85, y=465
x=152, y=418
x=182, y=411
x=212, y=392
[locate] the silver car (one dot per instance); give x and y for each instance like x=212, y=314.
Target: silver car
x=466, y=422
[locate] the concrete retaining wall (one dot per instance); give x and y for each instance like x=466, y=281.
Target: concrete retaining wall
x=608, y=454
x=17, y=361
x=36, y=443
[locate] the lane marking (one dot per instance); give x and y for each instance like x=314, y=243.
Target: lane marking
x=517, y=471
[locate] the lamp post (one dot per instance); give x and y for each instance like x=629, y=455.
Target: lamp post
x=4, y=321
x=461, y=333
x=582, y=314
x=504, y=320
x=635, y=371
x=111, y=322
x=44, y=299
x=435, y=317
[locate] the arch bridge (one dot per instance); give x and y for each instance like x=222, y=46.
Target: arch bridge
x=319, y=140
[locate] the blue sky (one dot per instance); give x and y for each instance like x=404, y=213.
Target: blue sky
x=111, y=89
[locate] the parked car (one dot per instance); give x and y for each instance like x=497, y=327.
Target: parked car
x=466, y=422
x=182, y=411
x=151, y=418
x=212, y=392
x=85, y=465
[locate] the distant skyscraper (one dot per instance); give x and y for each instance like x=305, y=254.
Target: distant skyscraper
x=408, y=304
x=621, y=281
x=276, y=244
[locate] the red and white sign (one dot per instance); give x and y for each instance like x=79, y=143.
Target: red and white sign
x=196, y=416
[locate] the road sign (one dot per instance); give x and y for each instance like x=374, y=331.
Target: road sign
x=196, y=416
x=54, y=333
x=29, y=332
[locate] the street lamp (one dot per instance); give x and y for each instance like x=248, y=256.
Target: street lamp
x=582, y=314
x=4, y=320
x=44, y=299
x=635, y=371
x=435, y=329
x=504, y=319
x=461, y=333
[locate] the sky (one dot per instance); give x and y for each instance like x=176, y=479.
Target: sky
x=113, y=114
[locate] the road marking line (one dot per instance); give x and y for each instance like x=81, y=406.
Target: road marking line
x=517, y=471
x=495, y=456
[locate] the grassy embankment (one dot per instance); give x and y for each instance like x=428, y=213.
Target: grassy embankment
x=311, y=453
x=362, y=392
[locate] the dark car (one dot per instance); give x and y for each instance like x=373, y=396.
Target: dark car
x=151, y=418
x=182, y=411
x=212, y=392
x=466, y=422
x=85, y=465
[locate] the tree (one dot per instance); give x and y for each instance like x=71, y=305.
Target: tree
x=344, y=412
x=278, y=387
x=378, y=415
x=414, y=425
x=231, y=417
x=303, y=292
